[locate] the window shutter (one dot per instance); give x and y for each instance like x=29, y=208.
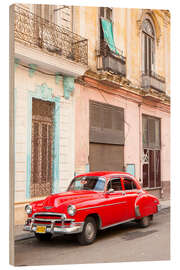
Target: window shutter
x=145, y=131
x=151, y=131
x=143, y=52
x=106, y=123
x=157, y=133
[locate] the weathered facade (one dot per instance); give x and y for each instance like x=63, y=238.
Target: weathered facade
x=92, y=92
x=125, y=95
x=48, y=58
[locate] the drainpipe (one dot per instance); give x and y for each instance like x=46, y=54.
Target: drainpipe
x=140, y=144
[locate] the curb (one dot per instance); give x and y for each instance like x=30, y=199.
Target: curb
x=23, y=236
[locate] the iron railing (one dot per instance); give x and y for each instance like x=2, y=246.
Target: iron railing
x=152, y=80
x=38, y=32
x=111, y=61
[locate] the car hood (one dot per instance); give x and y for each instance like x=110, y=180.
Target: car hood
x=70, y=197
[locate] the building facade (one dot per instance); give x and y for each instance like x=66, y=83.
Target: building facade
x=92, y=92
x=125, y=95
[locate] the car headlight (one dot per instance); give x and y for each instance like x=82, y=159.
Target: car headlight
x=28, y=209
x=71, y=210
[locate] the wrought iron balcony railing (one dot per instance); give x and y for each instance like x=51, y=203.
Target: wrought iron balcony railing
x=152, y=80
x=108, y=60
x=36, y=31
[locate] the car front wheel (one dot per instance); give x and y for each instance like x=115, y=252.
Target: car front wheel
x=43, y=237
x=88, y=234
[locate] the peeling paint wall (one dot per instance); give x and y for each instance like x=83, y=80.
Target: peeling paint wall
x=127, y=36
x=24, y=84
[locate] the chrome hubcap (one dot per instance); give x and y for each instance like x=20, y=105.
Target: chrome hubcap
x=89, y=231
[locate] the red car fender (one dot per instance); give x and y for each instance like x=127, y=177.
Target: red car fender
x=81, y=215
x=145, y=205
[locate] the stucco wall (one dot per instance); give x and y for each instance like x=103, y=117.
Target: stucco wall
x=23, y=84
x=133, y=130
x=127, y=36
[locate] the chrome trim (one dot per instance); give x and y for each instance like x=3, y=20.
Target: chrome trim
x=158, y=207
x=137, y=212
x=102, y=205
x=118, y=223
x=49, y=214
x=73, y=228
x=48, y=207
x=55, y=220
x=52, y=226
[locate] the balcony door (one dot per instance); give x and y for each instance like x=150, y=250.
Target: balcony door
x=148, y=47
x=42, y=147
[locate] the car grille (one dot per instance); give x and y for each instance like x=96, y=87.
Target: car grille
x=47, y=218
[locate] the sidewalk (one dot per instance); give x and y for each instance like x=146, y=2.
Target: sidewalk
x=22, y=235
x=165, y=204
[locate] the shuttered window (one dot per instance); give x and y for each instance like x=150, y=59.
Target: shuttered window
x=151, y=132
x=106, y=157
x=106, y=123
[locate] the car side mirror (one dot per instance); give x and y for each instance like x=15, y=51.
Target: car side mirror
x=111, y=190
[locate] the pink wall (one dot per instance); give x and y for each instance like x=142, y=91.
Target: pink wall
x=133, y=129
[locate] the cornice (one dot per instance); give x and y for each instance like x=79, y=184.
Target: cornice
x=116, y=85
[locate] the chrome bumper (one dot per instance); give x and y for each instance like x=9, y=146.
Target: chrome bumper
x=38, y=219
x=73, y=228
x=158, y=207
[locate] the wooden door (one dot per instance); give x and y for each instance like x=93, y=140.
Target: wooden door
x=42, y=148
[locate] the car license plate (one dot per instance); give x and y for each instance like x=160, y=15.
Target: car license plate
x=41, y=229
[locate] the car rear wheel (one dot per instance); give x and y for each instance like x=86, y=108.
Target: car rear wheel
x=145, y=221
x=43, y=237
x=88, y=234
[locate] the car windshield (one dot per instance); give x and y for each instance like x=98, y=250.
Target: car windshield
x=87, y=183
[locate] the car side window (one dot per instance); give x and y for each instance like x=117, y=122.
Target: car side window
x=129, y=184
x=115, y=184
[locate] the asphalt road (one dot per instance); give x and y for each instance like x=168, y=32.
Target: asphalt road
x=125, y=242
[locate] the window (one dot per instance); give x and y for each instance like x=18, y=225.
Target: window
x=151, y=152
x=151, y=132
x=129, y=184
x=87, y=183
x=115, y=184
x=105, y=13
x=148, y=46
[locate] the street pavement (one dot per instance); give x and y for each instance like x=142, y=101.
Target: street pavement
x=123, y=243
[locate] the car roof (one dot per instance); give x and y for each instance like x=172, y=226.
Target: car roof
x=104, y=173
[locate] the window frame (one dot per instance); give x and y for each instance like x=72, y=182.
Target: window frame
x=132, y=180
x=149, y=144
x=148, y=53
x=114, y=178
x=101, y=34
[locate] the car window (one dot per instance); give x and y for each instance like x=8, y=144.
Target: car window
x=87, y=183
x=115, y=184
x=129, y=184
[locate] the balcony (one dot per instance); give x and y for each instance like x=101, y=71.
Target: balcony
x=109, y=61
x=151, y=80
x=44, y=38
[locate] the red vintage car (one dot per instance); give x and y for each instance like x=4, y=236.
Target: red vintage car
x=93, y=201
